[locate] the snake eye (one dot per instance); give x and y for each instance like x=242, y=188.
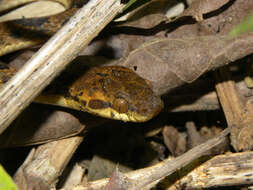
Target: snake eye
x=120, y=105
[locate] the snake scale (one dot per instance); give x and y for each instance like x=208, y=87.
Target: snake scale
x=113, y=92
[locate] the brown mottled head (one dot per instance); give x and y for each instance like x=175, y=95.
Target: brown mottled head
x=117, y=93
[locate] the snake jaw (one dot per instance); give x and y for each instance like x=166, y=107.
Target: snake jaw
x=116, y=93
x=111, y=92
x=148, y=110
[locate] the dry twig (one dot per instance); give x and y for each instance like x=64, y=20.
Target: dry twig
x=238, y=114
x=220, y=171
x=45, y=164
x=53, y=57
x=143, y=177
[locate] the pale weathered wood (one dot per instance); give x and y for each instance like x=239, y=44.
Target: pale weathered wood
x=75, y=177
x=238, y=114
x=229, y=97
x=53, y=57
x=139, y=179
x=45, y=164
x=232, y=169
x=223, y=170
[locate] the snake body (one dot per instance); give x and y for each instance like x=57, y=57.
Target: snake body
x=24, y=33
x=112, y=92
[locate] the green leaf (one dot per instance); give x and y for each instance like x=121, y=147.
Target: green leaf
x=6, y=182
x=244, y=26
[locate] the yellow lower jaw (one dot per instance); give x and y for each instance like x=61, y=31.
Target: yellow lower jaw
x=106, y=112
x=112, y=114
x=58, y=101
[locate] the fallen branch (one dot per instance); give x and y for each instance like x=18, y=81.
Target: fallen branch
x=45, y=164
x=54, y=56
x=220, y=171
x=238, y=112
x=143, y=177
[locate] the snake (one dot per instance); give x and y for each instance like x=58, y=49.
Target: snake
x=113, y=92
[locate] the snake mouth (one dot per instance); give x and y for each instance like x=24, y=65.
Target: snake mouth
x=132, y=115
x=112, y=92
x=148, y=109
x=126, y=117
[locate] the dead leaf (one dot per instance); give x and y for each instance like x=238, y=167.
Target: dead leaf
x=194, y=138
x=169, y=63
x=39, y=124
x=200, y=7
x=149, y=14
x=174, y=141
x=221, y=21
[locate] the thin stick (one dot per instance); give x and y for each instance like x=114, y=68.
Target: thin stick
x=233, y=169
x=231, y=103
x=221, y=171
x=46, y=163
x=54, y=56
x=143, y=177
x=167, y=167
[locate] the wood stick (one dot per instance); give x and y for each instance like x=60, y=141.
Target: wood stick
x=167, y=167
x=232, y=105
x=54, y=56
x=238, y=114
x=220, y=171
x=143, y=177
x=45, y=164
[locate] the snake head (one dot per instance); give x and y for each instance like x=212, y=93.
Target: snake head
x=116, y=92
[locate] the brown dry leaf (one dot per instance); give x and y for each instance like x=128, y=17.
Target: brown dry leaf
x=194, y=137
x=142, y=24
x=39, y=124
x=169, y=63
x=150, y=14
x=136, y=32
x=174, y=140
x=200, y=7
x=218, y=22
x=133, y=33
